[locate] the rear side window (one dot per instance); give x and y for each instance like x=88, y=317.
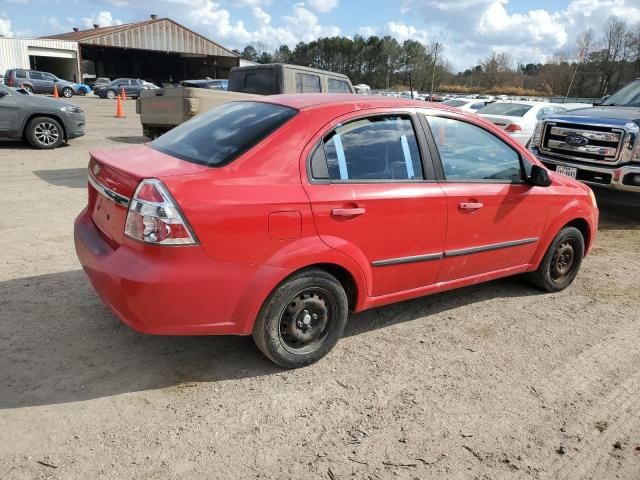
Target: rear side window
x=21, y=74
x=218, y=136
x=338, y=86
x=35, y=75
x=374, y=148
x=307, y=83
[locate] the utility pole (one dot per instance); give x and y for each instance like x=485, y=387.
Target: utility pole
x=580, y=60
x=433, y=74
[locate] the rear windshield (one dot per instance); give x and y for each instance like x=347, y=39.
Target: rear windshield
x=218, y=136
x=261, y=81
x=455, y=103
x=508, y=109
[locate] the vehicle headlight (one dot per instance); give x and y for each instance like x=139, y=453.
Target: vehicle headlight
x=71, y=109
x=537, y=135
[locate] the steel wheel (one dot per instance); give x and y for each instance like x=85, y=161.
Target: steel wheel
x=562, y=260
x=306, y=321
x=46, y=133
x=302, y=319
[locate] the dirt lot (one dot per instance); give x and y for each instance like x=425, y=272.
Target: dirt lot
x=490, y=382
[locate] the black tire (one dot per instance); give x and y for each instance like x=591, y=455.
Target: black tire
x=28, y=88
x=67, y=92
x=302, y=320
x=111, y=94
x=44, y=133
x=82, y=92
x=561, y=263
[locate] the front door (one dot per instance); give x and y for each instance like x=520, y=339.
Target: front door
x=9, y=112
x=495, y=218
x=372, y=201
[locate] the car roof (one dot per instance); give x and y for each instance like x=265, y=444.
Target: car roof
x=302, y=101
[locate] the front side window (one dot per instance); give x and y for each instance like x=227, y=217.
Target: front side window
x=338, y=86
x=217, y=137
x=307, y=83
x=470, y=153
x=373, y=148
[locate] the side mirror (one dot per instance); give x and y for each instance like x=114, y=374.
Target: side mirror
x=539, y=177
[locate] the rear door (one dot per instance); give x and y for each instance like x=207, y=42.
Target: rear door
x=38, y=82
x=373, y=197
x=495, y=218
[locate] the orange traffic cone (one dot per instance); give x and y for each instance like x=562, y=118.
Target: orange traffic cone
x=123, y=95
x=55, y=91
x=119, y=110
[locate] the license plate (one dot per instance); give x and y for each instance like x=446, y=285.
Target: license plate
x=567, y=171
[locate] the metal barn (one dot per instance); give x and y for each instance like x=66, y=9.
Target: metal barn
x=158, y=50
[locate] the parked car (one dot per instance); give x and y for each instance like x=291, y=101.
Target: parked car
x=101, y=81
x=466, y=104
x=311, y=206
x=132, y=88
x=209, y=83
x=39, y=82
x=519, y=119
x=598, y=145
x=82, y=89
x=163, y=109
x=44, y=122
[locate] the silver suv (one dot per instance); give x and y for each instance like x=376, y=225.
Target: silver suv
x=43, y=122
x=35, y=81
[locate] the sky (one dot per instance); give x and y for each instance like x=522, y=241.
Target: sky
x=468, y=30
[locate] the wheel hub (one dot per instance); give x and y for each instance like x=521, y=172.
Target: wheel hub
x=304, y=320
x=562, y=260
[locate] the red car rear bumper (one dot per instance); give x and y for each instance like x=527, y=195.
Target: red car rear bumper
x=173, y=290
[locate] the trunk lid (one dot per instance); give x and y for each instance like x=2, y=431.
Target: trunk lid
x=113, y=177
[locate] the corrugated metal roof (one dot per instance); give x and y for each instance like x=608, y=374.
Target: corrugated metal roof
x=161, y=34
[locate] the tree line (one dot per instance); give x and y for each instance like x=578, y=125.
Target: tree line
x=597, y=64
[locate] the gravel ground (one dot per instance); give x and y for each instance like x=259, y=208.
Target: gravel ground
x=489, y=382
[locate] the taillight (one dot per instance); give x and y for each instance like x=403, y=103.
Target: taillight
x=512, y=128
x=154, y=217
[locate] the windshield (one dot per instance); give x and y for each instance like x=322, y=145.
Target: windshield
x=218, y=136
x=507, y=109
x=627, y=96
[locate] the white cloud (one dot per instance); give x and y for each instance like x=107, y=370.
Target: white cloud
x=260, y=16
x=103, y=19
x=301, y=24
x=323, y=6
x=367, y=31
x=404, y=32
x=472, y=29
x=5, y=26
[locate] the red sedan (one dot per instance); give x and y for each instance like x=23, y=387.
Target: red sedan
x=278, y=217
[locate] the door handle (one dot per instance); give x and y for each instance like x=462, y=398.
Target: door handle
x=471, y=206
x=347, y=212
